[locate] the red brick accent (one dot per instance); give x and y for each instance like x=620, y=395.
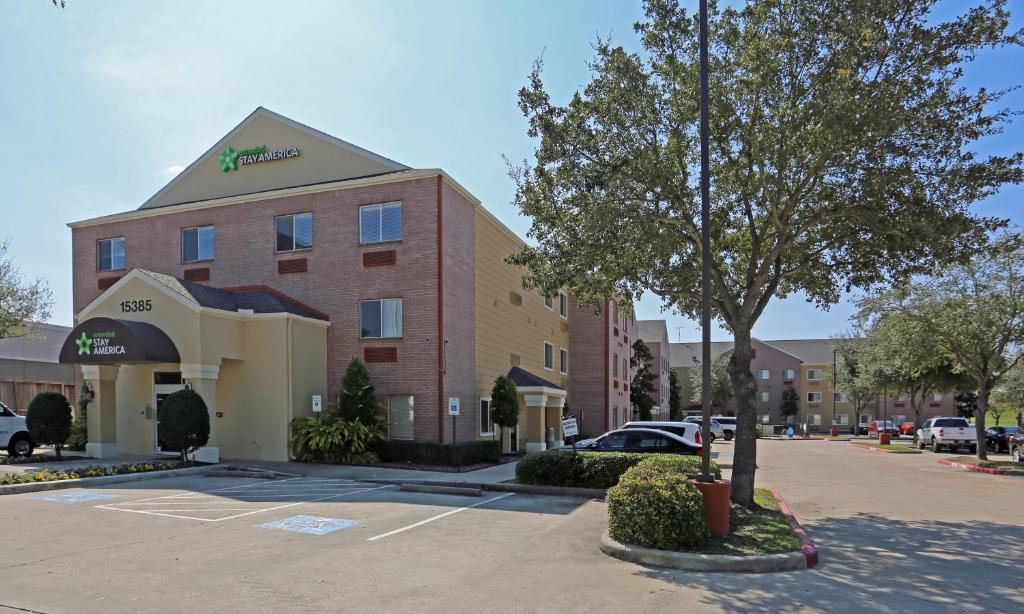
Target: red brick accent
x=385, y=258
x=105, y=282
x=294, y=265
x=202, y=274
x=380, y=354
x=616, y=331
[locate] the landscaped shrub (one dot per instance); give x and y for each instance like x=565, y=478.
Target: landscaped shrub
x=657, y=509
x=49, y=420
x=79, y=434
x=689, y=466
x=452, y=455
x=597, y=469
x=357, y=399
x=184, y=422
x=333, y=440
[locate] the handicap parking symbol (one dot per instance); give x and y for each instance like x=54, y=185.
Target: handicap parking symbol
x=74, y=497
x=309, y=525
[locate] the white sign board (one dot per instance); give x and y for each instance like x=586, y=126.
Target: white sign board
x=569, y=428
x=317, y=404
x=453, y=406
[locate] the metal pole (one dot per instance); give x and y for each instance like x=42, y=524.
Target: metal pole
x=834, y=392
x=705, y=248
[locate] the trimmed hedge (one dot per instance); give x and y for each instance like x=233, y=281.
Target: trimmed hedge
x=655, y=508
x=599, y=469
x=452, y=455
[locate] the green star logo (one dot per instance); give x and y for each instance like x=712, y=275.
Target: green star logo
x=229, y=160
x=84, y=343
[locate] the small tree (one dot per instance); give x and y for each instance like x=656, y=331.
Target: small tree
x=21, y=301
x=504, y=403
x=357, y=399
x=642, y=386
x=49, y=420
x=184, y=423
x=790, y=406
x=854, y=378
x=675, y=396
x=966, y=403
x=721, y=383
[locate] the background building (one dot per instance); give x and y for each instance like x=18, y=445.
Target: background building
x=654, y=334
x=601, y=348
x=28, y=366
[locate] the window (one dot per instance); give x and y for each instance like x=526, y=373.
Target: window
x=937, y=397
x=400, y=416
x=197, y=244
x=766, y=396
x=765, y=418
x=486, y=425
x=563, y=360
x=563, y=305
x=615, y=418
x=615, y=313
x=814, y=419
x=549, y=356
x=764, y=374
x=841, y=420
x=615, y=441
x=814, y=397
x=549, y=303
x=839, y=397
x=625, y=369
x=615, y=364
x=294, y=232
x=865, y=419
x=110, y=254
x=899, y=419
x=381, y=319
x=788, y=374
x=900, y=398
x=378, y=223
x=814, y=375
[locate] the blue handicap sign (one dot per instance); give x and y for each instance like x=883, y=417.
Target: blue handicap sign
x=74, y=497
x=309, y=525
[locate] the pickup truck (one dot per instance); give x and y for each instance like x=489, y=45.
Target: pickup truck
x=951, y=433
x=14, y=434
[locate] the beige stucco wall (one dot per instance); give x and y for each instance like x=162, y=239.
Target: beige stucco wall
x=503, y=328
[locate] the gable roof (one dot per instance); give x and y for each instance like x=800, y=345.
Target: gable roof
x=524, y=379
x=808, y=351
x=333, y=159
x=683, y=355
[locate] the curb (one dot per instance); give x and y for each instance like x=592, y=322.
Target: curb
x=528, y=489
x=438, y=489
x=808, y=550
x=688, y=561
x=974, y=468
x=793, y=438
x=14, y=489
x=883, y=451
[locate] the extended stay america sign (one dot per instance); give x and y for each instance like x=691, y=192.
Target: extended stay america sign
x=231, y=159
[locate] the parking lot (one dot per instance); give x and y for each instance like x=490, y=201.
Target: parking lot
x=897, y=533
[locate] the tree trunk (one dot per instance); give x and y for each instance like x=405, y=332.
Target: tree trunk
x=979, y=421
x=744, y=461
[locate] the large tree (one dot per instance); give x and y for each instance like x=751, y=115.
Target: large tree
x=842, y=154
x=974, y=313
x=721, y=383
x=1010, y=394
x=675, y=396
x=22, y=301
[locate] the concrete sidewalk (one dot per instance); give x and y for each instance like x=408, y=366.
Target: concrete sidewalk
x=487, y=475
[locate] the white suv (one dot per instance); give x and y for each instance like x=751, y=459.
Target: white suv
x=14, y=434
x=686, y=430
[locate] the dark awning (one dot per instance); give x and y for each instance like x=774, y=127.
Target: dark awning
x=106, y=341
x=524, y=379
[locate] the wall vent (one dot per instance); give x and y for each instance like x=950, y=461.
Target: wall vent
x=515, y=359
x=515, y=297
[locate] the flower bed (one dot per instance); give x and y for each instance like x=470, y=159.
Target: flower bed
x=83, y=472
x=35, y=458
x=886, y=447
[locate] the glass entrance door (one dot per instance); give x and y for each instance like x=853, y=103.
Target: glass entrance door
x=164, y=384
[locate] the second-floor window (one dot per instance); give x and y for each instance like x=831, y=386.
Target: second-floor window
x=381, y=319
x=549, y=356
x=814, y=397
x=110, y=254
x=615, y=364
x=788, y=374
x=294, y=231
x=563, y=360
x=764, y=374
x=379, y=223
x=197, y=244
x=814, y=375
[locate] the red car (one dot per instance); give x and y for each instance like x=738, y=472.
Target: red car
x=908, y=429
x=879, y=426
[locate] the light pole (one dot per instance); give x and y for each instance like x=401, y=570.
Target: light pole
x=705, y=255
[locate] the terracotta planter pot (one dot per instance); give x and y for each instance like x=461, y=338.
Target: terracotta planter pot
x=834, y=432
x=884, y=439
x=716, y=503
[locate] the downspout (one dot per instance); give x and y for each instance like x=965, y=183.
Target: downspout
x=288, y=377
x=440, y=314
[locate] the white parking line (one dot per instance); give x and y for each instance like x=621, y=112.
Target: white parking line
x=438, y=517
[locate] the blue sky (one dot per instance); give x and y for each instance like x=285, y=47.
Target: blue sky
x=103, y=102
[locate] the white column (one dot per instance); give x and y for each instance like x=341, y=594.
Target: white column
x=102, y=412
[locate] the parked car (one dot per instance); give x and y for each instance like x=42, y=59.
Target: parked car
x=997, y=438
x=14, y=433
x=1016, y=445
x=716, y=428
x=641, y=440
x=728, y=425
x=686, y=430
x=908, y=429
x=951, y=433
x=876, y=427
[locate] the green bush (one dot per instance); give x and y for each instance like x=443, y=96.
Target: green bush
x=79, y=434
x=49, y=420
x=184, y=422
x=597, y=469
x=333, y=440
x=657, y=509
x=357, y=399
x=452, y=455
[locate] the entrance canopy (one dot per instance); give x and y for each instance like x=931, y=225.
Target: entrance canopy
x=104, y=341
